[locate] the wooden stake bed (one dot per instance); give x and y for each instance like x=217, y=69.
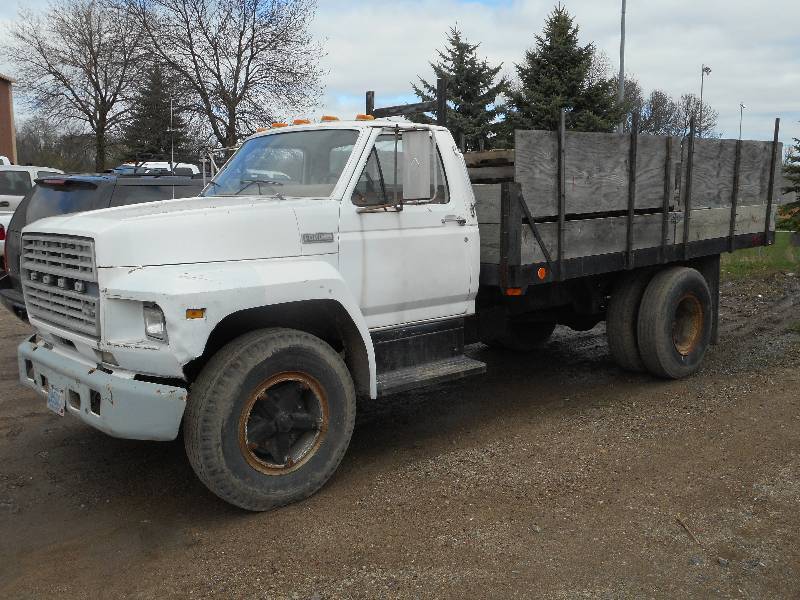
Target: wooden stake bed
x=587, y=203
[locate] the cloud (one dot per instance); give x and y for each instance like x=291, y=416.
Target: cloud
x=754, y=50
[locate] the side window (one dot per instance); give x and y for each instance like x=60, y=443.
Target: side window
x=370, y=190
x=379, y=184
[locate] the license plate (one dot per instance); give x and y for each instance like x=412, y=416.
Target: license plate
x=56, y=400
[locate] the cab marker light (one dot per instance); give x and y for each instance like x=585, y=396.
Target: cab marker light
x=279, y=125
x=513, y=291
x=195, y=313
x=262, y=129
x=301, y=122
x=541, y=273
x=365, y=118
x=328, y=119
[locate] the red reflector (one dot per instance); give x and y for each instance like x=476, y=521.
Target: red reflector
x=2, y=233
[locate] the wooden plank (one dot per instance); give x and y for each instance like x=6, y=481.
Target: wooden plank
x=712, y=175
x=491, y=174
x=596, y=171
x=489, y=158
x=589, y=237
x=585, y=237
x=712, y=223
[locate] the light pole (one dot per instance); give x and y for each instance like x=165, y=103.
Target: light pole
x=741, y=114
x=704, y=70
x=621, y=81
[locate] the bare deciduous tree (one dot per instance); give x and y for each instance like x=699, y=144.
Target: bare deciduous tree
x=245, y=60
x=77, y=65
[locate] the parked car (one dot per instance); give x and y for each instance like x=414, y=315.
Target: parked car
x=155, y=168
x=78, y=193
x=16, y=181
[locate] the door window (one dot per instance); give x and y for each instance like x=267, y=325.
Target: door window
x=381, y=181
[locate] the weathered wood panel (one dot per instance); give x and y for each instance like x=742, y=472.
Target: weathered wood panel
x=589, y=237
x=489, y=158
x=711, y=223
x=491, y=174
x=585, y=237
x=597, y=171
x=713, y=173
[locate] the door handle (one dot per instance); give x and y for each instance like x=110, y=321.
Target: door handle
x=454, y=219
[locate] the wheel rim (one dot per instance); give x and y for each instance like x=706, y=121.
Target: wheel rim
x=283, y=423
x=687, y=327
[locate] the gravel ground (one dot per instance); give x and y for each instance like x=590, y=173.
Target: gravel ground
x=555, y=475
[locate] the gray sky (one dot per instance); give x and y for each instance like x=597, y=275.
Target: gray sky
x=752, y=47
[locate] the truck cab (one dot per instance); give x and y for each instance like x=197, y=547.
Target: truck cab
x=351, y=246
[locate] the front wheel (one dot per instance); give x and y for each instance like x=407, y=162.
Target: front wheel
x=269, y=418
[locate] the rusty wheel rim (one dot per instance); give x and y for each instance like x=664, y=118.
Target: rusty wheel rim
x=687, y=327
x=283, y=423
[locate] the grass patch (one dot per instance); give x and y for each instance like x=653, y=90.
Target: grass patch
x=781, y=256
x=794, y=328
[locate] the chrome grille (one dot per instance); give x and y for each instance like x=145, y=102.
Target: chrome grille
x=59, y=280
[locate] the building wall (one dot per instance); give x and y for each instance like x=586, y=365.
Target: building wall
x=8, y=140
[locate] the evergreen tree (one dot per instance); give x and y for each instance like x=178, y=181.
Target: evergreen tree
x=472, y=87
x=791, y=171
x=558, y=73
x=148, y=135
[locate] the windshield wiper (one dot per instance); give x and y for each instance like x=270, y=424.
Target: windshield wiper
x=259, y=182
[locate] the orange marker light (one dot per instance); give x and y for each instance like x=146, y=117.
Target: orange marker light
x=541, y=273
x=513, y=291
x=195, y=313
x=301, y=122
x=278, y=125
x=365, y=118
x=329, y=118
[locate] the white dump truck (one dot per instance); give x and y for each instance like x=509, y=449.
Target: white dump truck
x=342, y=260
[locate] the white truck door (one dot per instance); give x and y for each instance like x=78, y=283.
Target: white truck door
x=407, y=265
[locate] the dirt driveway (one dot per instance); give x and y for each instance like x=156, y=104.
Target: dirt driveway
x=556, y=475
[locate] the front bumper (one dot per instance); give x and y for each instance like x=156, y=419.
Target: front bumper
x=119, y=406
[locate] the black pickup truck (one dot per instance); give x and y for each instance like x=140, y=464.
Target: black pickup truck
x=61, y=195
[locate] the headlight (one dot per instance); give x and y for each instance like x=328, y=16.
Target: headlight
x=155, y=327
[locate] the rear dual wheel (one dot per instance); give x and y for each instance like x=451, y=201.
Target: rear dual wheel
x=660, y=323
x=269, y=418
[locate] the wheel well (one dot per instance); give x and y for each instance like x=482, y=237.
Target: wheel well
x=326, y=319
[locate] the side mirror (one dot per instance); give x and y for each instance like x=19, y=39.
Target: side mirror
x=416, y=165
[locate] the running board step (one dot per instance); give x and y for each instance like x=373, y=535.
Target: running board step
x=409, y=378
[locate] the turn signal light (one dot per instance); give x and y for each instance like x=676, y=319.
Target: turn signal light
x=195, y=313
x=2, y=233
x=277, y=125
x=365, y=118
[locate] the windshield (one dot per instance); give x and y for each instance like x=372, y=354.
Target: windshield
x=304, y=164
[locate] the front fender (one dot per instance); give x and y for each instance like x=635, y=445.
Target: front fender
x=221, y=289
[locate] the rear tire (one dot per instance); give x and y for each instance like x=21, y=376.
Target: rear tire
x=675, y=323
x=269, y=418
x=523, y=337
x=622, y=321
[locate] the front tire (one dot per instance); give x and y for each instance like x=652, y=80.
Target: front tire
x=675, y=323
x=269, y=418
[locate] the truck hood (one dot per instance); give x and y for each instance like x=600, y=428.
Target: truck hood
x=203, y=229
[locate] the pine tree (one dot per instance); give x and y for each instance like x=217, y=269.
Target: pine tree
x=791, y=171
x=472, y=88
x=147, y=135
x=557, y=73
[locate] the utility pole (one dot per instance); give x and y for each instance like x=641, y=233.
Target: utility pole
x=704, y=70
x=621, y=80
x=741, y=115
